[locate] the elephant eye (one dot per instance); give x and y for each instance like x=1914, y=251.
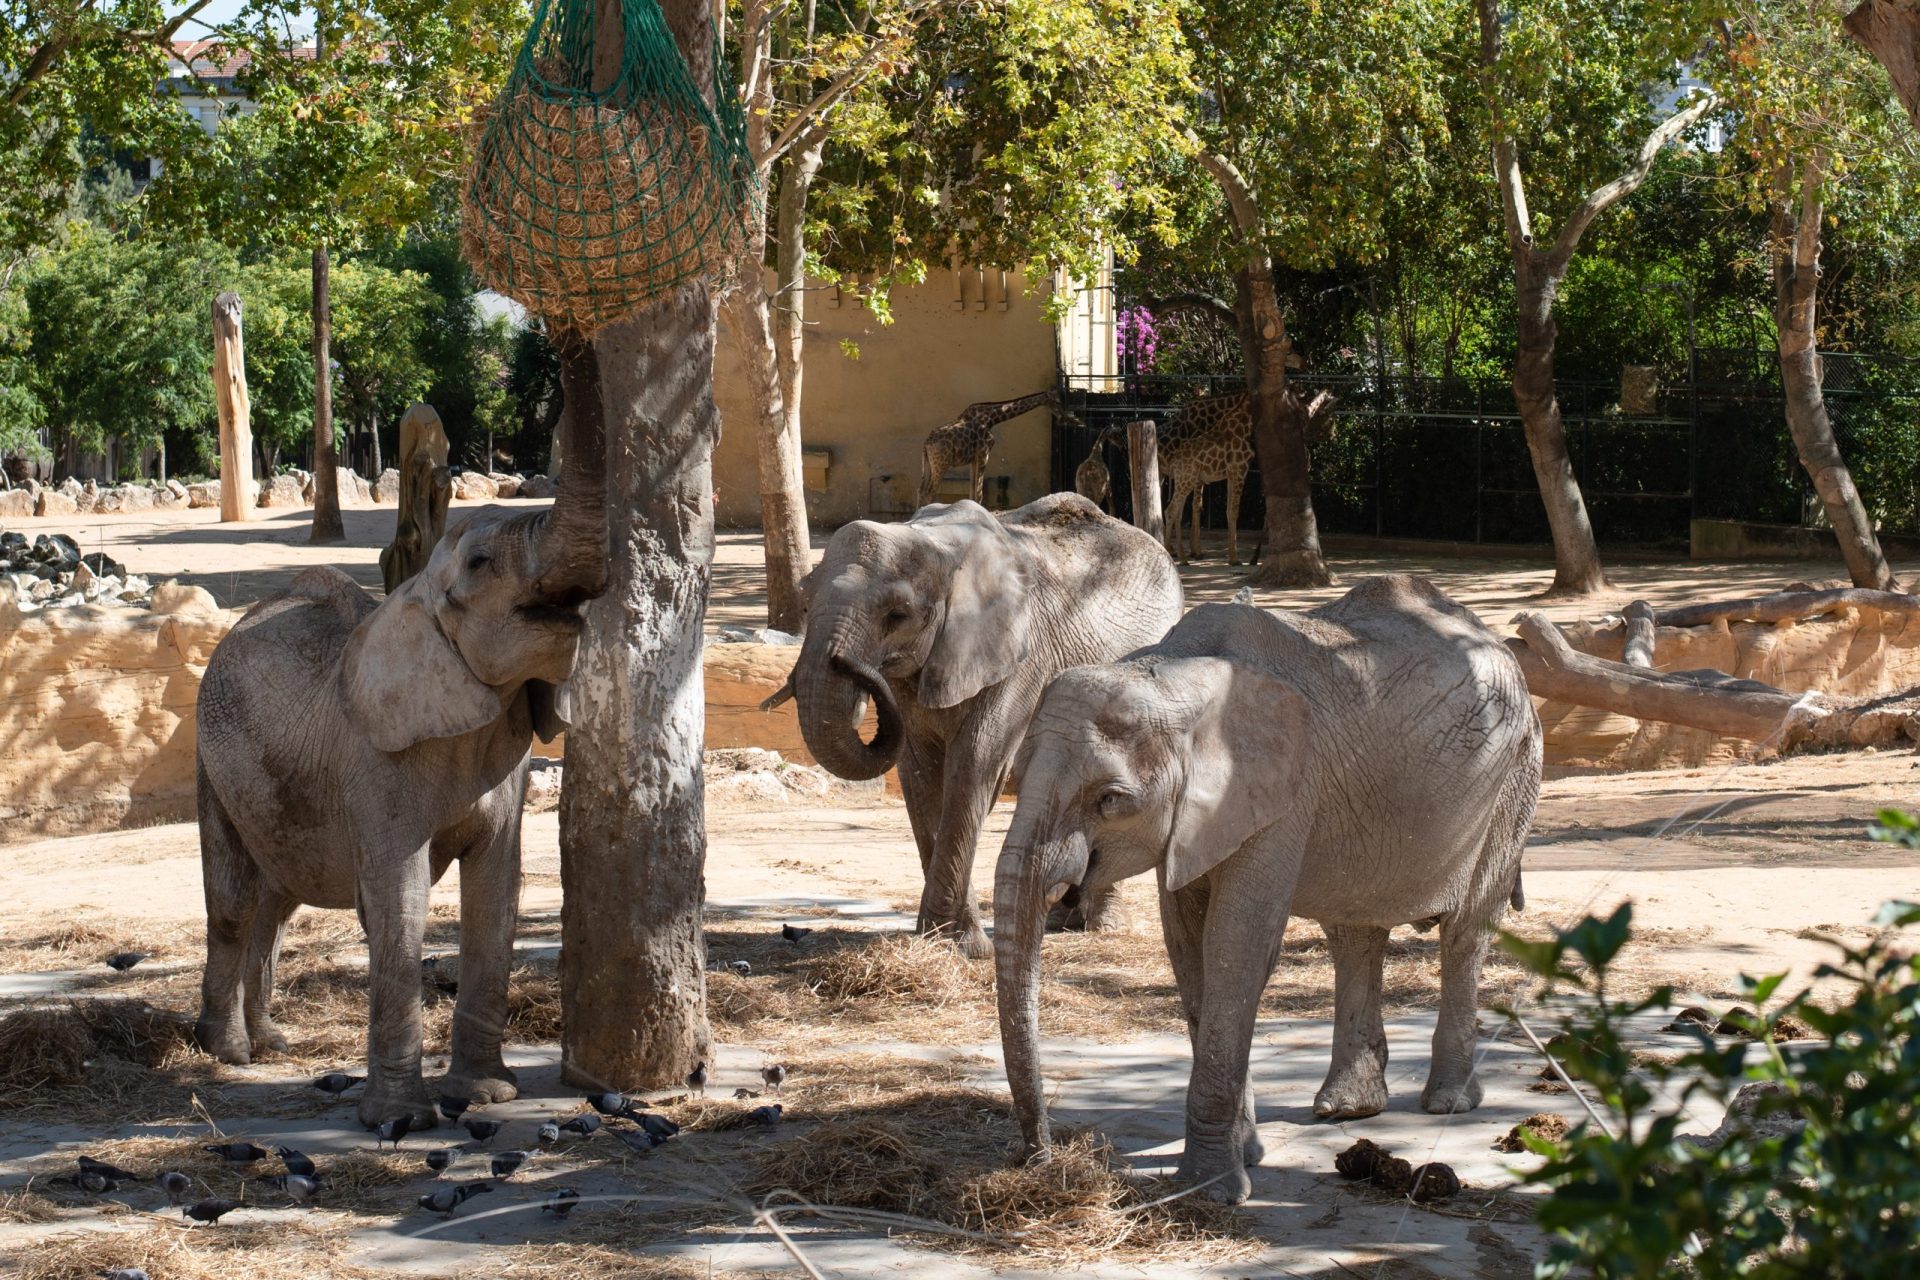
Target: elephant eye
x=896, y=616
x=1114, y=803
x=478, y=561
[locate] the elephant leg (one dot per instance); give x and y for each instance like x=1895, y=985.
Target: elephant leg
x=1356, y=1084
x=232, y=884
x=923, y=786
x=974, y=768
x=1097, y=911
x=489, y=908
x=393, y=906
x=1451, y=1085
x=1234, y=484
x=271, y=912
x=1183, y=918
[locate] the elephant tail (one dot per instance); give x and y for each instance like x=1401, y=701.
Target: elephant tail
x=1518, y=898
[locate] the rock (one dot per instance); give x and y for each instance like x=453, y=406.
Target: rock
x=41, y=589
x=538, y=487
x=168, y=500
x=306, y=485
x=56, y=549
x=474, y=486
x=16, y=503
x=55, y=502
x=734, y=633
x=204, y=494
x=72, y=488
x=386, y=489
x=504, y=486
x=179, y=597
x=103, y=565
x=83, y=577
x=283, y=491
x=135, y=497
x=760, y=786
x=543, y=790
x=805, y=780
x=353, y=491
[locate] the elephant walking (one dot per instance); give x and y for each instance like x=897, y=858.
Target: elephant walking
x=1370, y=763
x=952, y=624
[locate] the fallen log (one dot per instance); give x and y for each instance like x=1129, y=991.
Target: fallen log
x=1789, y=606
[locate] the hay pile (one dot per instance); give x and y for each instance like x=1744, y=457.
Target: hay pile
x=939, y=1155
x=285, y=1248
x=584, y=212
x=87, y=1059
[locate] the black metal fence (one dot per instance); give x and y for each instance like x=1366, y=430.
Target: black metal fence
x=1427, y=458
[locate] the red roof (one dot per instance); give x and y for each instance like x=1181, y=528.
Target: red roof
x=210, y=60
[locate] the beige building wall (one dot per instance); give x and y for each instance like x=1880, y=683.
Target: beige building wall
x=960, y=338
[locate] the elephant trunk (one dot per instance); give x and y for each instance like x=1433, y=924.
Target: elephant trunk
x=832, y=686
x=570, y=548
x=1019, y=921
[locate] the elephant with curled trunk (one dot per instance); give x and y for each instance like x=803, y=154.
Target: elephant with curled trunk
x=1370, y=763
x=349, y=751
x=951, y=624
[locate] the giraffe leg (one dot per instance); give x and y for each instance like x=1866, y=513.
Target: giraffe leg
x=1175, y=516
x=1235, y=481
x=980, y=474
x=1199, y=501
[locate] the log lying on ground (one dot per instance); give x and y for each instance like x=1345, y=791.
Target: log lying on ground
x=1787, y=606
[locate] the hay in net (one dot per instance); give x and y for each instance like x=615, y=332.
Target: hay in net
x=594, y=194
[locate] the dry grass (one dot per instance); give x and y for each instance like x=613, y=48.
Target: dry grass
x=940, y=1155
x=101, y=1060
x=283, y=1249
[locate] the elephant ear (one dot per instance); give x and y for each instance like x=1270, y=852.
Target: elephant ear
x=1247, y=753
x=404, y=681
x=551, y=707
x=984, y=628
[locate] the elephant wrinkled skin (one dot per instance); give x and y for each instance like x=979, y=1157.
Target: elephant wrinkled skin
x=951, y=624
x=349, y=752
x=1371, y=763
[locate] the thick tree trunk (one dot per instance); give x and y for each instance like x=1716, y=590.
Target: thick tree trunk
x=1293, y=555
x=1576, y=557
x=1890, y=31
x=326, y=492
x=632, y=824
x=1796, y=268
x=234, y=409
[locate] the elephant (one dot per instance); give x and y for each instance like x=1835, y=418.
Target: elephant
x=951, y=624
x=349, y=751
x=1369, y=763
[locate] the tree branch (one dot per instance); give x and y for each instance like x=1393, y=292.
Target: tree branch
x=1604, y=198
x=48, y=54
x=1240, y=198
x=1506, y=152
x=1890, y=31
x=849, y=79
x=1806, y=235
x=1193, y=300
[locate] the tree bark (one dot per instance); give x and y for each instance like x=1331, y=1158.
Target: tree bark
x=783, y=502
x=632, y=826
x=234, y=409
x=1637, y=625
x=326, y=491
x=1576, y=555
x=1890, y=31
x=1143, y=466
x=1796, y=285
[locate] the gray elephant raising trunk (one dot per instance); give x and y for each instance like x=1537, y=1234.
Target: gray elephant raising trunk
x=952, y=624
x=350, y=751
x=1371, y=763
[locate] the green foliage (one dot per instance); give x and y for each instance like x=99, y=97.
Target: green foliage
x=1827, y=1184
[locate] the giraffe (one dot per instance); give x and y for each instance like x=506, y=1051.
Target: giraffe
x=1092, y=480
x=1208, y=439
x=969, y=438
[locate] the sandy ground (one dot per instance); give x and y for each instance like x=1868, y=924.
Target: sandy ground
x=1731, y=870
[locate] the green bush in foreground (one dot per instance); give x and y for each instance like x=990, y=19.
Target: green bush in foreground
x=1825, y=1178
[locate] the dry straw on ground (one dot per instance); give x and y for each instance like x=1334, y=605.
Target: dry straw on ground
x=281, y=1249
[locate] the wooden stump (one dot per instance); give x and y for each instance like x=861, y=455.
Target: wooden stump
x=235, y=411
x=1143, y=461
x=426, y=486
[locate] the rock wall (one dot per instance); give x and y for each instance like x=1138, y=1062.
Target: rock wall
x=1852, y=654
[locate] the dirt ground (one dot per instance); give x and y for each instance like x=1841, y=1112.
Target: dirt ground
x=1731, y=870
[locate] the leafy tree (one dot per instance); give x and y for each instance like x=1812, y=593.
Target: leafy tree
x=380, y=321
x=533, y=384
x=21, y=414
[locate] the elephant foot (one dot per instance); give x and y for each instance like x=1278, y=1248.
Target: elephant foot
x=1441, y=1098
x=1252, y=1150
x=378, y=1107
x=267, y=1038
x=1223, y=1180
x=480, y=1085
x=1353, y=1096
x=965, y=934
x=223, y=1042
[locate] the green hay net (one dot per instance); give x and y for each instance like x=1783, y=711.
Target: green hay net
x=587, y=203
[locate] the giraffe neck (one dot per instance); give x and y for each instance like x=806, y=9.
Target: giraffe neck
x=992, y=413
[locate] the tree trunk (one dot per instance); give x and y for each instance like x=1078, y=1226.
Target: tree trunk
x=783, y=499
x=1576, y=557
x=233, y=408
x=1796, y=284
x=373, y=440
x=632, y=824
x=326, y=495
x=1279, y=436
x=1890, y=31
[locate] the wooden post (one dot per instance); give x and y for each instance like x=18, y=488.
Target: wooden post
x=1143, y=462
x=235, y=411
x=426, y=486
x=1638, y=630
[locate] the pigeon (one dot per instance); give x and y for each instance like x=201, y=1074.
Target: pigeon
x=744, y=1092
x=659, y=1128
x=124, y=1273
x=447, y=1199
x=121, y=961
x=210, y=1211
x=697, y=1079
x=176, y=1185
x=453, y=1108
x=298, y=1186
x=584, y=1124
x=740, y=967
x=775, y=1075
x=561, y=1202
x=235, y=1153
x=507, y=1163
x=768, y=1115
x=638, y=1139
x=335, y=1083
x=440, y=1159
x=549, y=1132
x=793, y=933
x=89, y=1165
x=392, y=1130
x=609, y=1104
x=480, y=1130
x=91, y=1181
x=296, y=1161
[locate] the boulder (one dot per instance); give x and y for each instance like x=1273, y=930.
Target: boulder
x=474, y=486
x=204, y=494
x=171, y=496
x=175, y=488
x=15, y=503
x=56, y=502
x=283, y=491
x=353, y=491
x=57, y=551
x=539, y=487
x=504, y=486
x=386, y=489
x=177, y=597
x=71, y=487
